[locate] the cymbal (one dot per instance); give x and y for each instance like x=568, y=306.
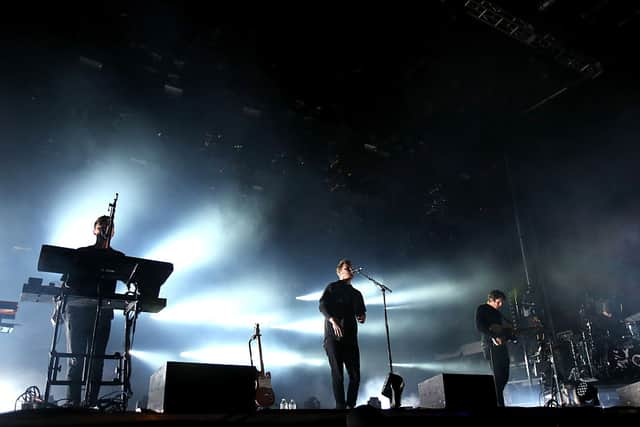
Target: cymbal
x=633, y=318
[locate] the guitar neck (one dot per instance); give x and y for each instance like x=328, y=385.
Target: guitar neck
x=258, y=336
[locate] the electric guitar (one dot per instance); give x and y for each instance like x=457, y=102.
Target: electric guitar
x=508, y=333
x=264, y=392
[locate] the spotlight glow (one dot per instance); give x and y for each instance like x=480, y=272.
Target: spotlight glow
x=151, y=358
x=209, y=236
x=229, y=308
x=450, y=367
x=420, y=296
x=315, y=326
x=315, y=296
x=88, y=197
x=220, y=311
x=238, y=355
x=311, y=326
x=8, y=395
x=401, y=298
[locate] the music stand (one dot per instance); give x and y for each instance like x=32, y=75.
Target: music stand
x=146, y=275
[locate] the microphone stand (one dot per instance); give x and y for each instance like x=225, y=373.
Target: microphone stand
x=394, y=384
x=90, y=384
x=253, y=337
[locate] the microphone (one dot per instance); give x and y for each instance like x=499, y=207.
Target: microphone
x=356, y=270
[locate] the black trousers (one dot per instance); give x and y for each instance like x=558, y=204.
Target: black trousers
x=498, y=357
x=344, y=353
x=79, y=330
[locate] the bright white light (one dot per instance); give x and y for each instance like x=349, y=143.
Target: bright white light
x=373, y=388
x=226, y=355
x=82, y=201
x=239, y=355
x=151, y=358
x=312, y=326
x=420, y=296
x=310, y=297
x=375, y=327
x=215, y=310
x=402, y=298
x=9, y=392
x=187, y=248
x=315, y=326
x=449, y=367
x=527, y=397
x=212, y=234
x=230, y=307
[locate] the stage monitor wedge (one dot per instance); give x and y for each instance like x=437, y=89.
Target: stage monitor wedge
x=200, y=388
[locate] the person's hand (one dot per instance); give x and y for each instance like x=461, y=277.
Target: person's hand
x=337, y=330
x=361, y=318
x=497, y=341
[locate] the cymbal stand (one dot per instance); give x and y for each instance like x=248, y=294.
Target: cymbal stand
x=556, y=392
x=587, y=354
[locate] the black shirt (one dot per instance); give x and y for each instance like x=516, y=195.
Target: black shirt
x=343, y=302
x=88, y=275
x=485, y=317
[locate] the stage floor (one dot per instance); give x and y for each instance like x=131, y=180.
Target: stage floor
x=360, y=416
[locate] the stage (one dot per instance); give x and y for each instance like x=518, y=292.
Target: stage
x=360, y=416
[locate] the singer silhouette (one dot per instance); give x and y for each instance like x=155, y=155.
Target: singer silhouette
x=343, y=306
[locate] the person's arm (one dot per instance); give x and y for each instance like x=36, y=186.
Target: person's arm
x=360, y=309
x=327, y=309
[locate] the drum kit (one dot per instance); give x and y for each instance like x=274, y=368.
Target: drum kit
x=592, y=354
x=602, y=350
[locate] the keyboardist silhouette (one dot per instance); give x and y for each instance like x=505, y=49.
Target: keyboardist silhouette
x=79, y=318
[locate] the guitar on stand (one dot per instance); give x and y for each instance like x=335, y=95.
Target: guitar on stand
x=264, y=392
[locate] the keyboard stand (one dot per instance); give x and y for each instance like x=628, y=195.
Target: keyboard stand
x=143, y=279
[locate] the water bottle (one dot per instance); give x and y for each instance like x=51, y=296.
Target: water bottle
x=292, y=404
x=283, y=404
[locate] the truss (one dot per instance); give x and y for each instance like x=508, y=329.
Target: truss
x=524, y=32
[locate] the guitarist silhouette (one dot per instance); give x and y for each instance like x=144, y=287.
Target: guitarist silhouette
x=490, y=323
